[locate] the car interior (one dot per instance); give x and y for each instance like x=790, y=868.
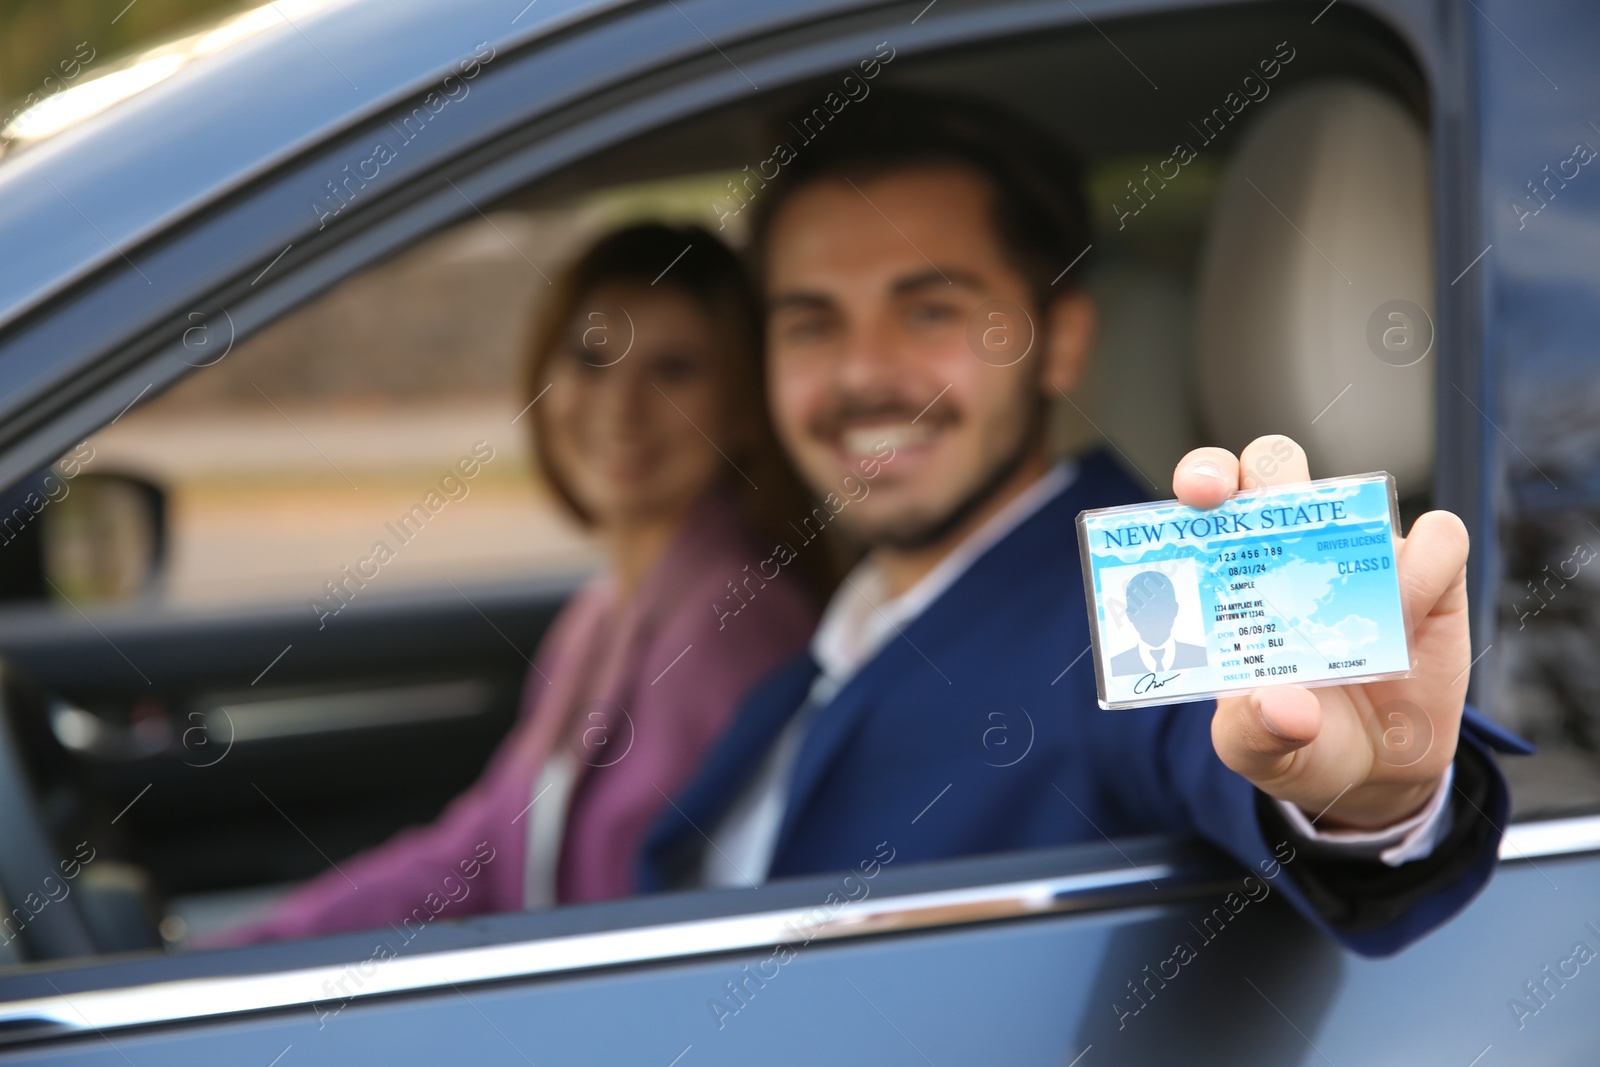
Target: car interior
x=233, y=739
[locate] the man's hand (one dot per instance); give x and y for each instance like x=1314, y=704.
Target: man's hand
x=1326, y=749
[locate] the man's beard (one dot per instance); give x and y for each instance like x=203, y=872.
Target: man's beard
x=920, y=533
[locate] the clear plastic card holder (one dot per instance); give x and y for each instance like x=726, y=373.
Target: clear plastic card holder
x=1290, y=584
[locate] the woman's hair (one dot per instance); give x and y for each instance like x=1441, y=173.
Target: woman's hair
x=707, y=272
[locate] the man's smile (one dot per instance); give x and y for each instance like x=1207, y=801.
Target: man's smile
x=860, y=441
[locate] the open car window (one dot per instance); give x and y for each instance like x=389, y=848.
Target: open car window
x=343, y=711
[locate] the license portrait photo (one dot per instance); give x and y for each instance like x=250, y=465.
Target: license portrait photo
x=1153, y=622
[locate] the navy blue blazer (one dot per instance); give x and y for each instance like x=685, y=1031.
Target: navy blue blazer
x=978, y=731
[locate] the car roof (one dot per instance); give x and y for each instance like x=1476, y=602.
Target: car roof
x=83, y=197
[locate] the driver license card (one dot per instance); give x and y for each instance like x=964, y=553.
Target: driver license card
x=1292, y=584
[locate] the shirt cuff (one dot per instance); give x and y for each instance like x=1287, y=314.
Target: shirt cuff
x=1414, y=838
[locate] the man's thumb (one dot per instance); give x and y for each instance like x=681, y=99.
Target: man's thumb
x=1256, y=734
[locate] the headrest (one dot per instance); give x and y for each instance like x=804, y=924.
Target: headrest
x=1315, y=301
x=1137, y=394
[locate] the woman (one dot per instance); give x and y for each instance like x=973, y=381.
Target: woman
x=650, y=426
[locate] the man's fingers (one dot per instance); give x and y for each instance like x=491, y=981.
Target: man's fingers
x=1433, y=562
x=1256, y=734
x=1205, y=477
x=1272, y=460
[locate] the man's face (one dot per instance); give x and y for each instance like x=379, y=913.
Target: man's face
x=1152, y=608
x=871, y=287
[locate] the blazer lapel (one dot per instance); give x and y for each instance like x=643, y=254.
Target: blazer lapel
x=676, y=841
x=953, y=613
x=830, y=728
x=951, y=617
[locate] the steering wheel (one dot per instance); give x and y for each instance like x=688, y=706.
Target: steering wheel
x=28, y=859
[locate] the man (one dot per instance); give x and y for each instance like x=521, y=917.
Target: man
x=1151, y=605
x=879, y=246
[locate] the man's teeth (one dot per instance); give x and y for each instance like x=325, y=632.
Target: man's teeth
x=867, y=440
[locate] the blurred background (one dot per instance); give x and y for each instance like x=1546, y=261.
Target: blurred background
x=35, y=35
x=282, y=460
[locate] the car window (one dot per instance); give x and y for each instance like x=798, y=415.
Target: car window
x=355, y=419
x=288, y=455
x=1547, y=637
x=286, y=458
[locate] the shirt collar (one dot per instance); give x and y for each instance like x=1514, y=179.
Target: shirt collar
x=861, y=617
x=1167, y=649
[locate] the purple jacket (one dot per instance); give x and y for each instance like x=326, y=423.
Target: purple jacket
x=663, y=670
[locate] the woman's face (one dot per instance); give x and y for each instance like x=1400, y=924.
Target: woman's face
x=635, y=404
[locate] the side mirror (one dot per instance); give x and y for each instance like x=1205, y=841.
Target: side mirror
x=106, y=539
x=92, y=539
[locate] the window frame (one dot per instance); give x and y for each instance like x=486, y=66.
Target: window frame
x=108, y=340
x=517, y=134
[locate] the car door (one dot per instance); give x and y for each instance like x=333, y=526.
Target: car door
x=1059, y=957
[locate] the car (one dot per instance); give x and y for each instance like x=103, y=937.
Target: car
x=262, y=283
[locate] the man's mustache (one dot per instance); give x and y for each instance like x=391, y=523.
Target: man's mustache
x=850, y=411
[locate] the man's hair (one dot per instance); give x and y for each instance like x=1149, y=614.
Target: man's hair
x=1040, y=218
x=1143, y=590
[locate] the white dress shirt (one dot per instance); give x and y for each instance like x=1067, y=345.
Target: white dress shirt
x=862, y=618
x=547, y=827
